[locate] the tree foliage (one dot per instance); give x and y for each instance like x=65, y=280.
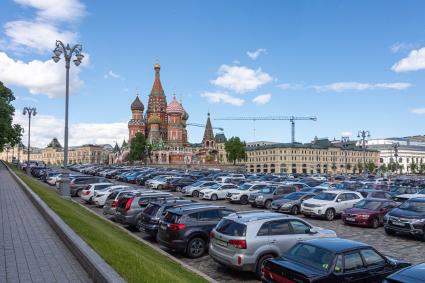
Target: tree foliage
x=235, y=149
x=371, y=166
x=9, y=133
x=138, y=148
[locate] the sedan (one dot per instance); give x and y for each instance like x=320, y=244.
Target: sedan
x=291, y=203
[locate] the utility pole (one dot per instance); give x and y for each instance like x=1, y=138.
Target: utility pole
x=31, y=111
x=395, y=147
x=345, y=142
x=363, y=134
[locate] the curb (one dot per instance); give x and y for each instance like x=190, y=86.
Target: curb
x=98, y=270
x=173, y=258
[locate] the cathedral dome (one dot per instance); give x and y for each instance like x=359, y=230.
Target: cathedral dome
x=174, y=107
x=137, y=105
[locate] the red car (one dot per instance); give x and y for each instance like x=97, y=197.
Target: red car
x=368, y=212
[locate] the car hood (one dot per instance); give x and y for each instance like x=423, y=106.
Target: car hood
x=411, y=196
x=360, y=211
x=233, y=191
x=283, y=201
x=397, y=212
x=412, y=274
x=206, y=191
x=317, y=201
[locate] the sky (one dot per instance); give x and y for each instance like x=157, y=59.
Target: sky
x=355, y=65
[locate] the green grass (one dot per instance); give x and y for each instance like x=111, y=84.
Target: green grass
x=132, y=259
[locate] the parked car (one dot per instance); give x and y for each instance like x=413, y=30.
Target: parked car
x=242, y=193
x=411, y=274
x=187, y=229
x=244, y=240
x=408, y=218
x=265, y=196
x=79, y=183
x=176, y=184
x=372, y=193
x=88, y=192
x=194, y=189
x=395, y=191
x=330, y=203
x=291, y=203
x=368, y=212
x=216, y=191
x=100, y=197
x=331, y=260
x=110, y=205
x=406, y=196
x=314, y=190
x=149, y=219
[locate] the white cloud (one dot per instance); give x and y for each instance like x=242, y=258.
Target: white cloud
x=289, y=86
x=400, y=46
x=63, y=10
x=38, y=36
x=40, y=77
x=262, y=99
x=240, y=79
x=346, y=134
x=418, y=110
x=357, y=86
x=112, y=75
x=46, y=127
x=255, y=54
x=26, y=98
x=413, y=62
x=222, y=97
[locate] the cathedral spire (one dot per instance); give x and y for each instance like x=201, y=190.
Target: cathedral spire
x=157, y=86
x=208, y=133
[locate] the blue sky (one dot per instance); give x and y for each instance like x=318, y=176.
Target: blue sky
x=353, y=64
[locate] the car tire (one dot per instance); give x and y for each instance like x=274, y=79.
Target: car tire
x=330, y=214
x=196, y=247
x=195, y=194
x=295, y=210
x=214, y=197
x=159, y=187
x=178, y=189
x=268, y=204
x=260, y=263
x=375, y=223
x=389, y=232
x=244, y=200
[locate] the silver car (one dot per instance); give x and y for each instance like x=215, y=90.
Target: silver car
x=244, y=240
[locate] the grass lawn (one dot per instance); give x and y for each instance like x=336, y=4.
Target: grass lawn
x=133, y=260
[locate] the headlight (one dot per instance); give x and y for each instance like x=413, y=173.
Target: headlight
x=260, y=197
x=287, y=204
x=386, y=218
x=417, y=220
x=364, y=216
x=235, y=194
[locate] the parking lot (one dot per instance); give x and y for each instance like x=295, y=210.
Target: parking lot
x=406, y=248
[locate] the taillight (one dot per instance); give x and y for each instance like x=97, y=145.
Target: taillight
x=239, y=244
x=177, y=227
x=212, y=235
x=86, y=192
x=128, y=204
x=114, y=203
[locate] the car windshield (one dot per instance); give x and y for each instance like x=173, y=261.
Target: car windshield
x=197, y=184
x=324, y=184
x=412, y=205
x=214, y=187
x=311, y=256
x=368, y=204
x=307, y=189
x=151, y=209
x=325, y=196
x=422, y=192
x=267, y=190
x=294, y=196
x=231, y=228
x=244, y=187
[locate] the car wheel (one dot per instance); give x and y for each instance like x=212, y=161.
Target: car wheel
x=330, y=214
x=389, y=232
x=178, y=189
x=214, y=197
x=159, y=187
x=268, y=204
x=375, y=223
x=244, y=200
x=260, y=264
x=294, y=210
x=139, y=224
x=195, y=194
x=196, y=247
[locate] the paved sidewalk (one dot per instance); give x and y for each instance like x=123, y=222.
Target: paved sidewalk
x=30, y=251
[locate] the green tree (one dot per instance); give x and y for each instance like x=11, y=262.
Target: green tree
x=333, y=167
x=348, y=167
x=138, y=148
x=371, y=166
x=9, y=133
x=383, y=168
x=359, y=167
x=421, y=168
x=235, y=149
x=413, y=167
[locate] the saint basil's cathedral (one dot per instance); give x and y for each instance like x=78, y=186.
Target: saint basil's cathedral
x=164, y=127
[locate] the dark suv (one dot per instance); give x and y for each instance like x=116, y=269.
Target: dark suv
x=178, y=183
x=79, y=183
x=187, y=229
x=149, y=219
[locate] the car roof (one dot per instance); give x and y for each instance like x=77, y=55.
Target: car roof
x=412, y=274
x=260, y=215
x=336, y=245
x=419, y=199
x=184, y=210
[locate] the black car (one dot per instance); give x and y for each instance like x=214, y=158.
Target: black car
x=412, y=274
x=408, y=218
x=330, y=260
x=149, y=219
x=178, y=183
x=187, y=229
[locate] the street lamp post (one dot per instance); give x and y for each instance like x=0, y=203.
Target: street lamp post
x=67, y=54
x=363, y=135
x=345, y=142
x=31, y=111
x=395, y=147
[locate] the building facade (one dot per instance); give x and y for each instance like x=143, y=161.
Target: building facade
x=319, y=156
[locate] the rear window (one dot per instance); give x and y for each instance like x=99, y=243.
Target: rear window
x=231, y=228
x=113, y=195
x=151, y=209
x=364, y=194
x=171, y=217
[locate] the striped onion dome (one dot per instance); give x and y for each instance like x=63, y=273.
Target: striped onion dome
x=174, y=107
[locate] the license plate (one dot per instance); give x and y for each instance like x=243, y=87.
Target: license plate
x=221, y=243
x=398, y=223
x=350, y=219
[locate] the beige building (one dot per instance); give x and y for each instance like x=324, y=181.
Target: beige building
x=319, y=156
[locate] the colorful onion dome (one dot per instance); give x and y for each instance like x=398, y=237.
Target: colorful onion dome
x=137, y=104
x=174, y=107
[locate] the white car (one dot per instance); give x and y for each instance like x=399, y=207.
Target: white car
x=217, y=191
x=330, y=203
x=100, y=196
x=159, y=183
x=194, y=189
x=230, y=177
x=242, y=193
x=152, y=183
x=88, y=192
x=404, y=197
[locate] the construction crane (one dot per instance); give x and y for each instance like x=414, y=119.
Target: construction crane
x=203, y=126
x=291, y=119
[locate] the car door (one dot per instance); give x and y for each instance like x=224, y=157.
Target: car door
x=222, y=191
x=278, y=193
x=341, y=203
x=300, y=230
x=208, y=219
x=375, y=265
x=281, y=235
x=354, y=269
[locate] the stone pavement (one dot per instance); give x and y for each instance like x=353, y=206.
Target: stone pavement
x=30, y=250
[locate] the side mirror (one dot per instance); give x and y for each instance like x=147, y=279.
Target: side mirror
x=339, y=200
x=312, y=230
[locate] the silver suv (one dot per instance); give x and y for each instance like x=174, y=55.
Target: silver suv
x=244, y=240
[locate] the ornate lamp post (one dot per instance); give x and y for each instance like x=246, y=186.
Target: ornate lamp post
x=363, y=135
x=31, y=111
x=67, y=54
x=345, y=142
x=395, y=147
